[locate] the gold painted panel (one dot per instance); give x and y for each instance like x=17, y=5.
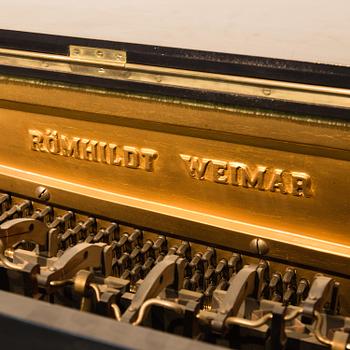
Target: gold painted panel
x=302, y=193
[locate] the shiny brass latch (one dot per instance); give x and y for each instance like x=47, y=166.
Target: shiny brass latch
x=97, y=55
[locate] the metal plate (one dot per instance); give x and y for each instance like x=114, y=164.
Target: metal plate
x=149, y=184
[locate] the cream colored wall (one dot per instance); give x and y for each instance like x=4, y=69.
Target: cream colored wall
x=300, y=29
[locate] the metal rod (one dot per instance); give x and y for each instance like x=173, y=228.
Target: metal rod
x=180, y=309
x=117, y=312
x=249, y=323
x=56, y=58
x=317, y=330
x=262, y=320
x=62, y=283
x=292, y=315
x=231, y=84
x=5, y=261
x=94, y=287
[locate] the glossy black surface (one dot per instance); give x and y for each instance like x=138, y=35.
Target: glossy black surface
x=266, y=68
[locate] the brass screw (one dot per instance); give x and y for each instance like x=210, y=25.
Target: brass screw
x=42, y=193
x=259, y=246
x=99, y=53
x=266, y=91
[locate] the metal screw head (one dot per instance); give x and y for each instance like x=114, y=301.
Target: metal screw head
x=259, y=246
x=42, y=193
x=99, y=53
x=266, y=91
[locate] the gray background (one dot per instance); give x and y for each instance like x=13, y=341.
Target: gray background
x=308, y=30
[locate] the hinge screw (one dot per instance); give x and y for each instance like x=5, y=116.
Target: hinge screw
x=42, y=193
x=259, y=246
x=99, y=53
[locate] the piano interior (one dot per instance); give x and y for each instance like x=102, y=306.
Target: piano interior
x=155, y=196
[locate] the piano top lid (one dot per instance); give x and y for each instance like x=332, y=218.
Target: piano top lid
x=301, y=30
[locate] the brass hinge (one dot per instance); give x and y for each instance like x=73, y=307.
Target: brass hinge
x=112, y=64
x=97, y=55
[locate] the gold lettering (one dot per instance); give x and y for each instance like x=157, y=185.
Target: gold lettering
x=233, y=177
x=88, y=150
x=253, y=179
x=240, y=174
x=150, y=156
x=195, y=166
x=301, y=184
x=218, y=168
x=102, y=152
x=131, y=157
x=37, y=140
x=114, y=159
x=70, y=148
x=277, y=181
x=51, y=142
x=91, y=150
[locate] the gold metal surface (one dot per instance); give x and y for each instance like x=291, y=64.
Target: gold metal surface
x=112, y=64
x=148, y=183
x=97, y=56
x=127, y=205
